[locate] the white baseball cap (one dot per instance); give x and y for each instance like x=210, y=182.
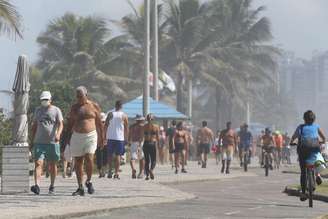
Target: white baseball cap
x=45, y=95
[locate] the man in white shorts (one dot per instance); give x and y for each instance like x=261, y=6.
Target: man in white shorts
x=87, y=132
x=136, y=142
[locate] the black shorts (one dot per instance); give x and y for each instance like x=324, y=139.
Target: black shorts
x=171, y=150
x=204, y=148
x=179, y=147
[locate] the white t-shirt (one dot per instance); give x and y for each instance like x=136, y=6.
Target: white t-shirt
x=115, y=130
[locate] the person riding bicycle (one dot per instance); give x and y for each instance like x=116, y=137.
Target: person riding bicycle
x=245, y=140
x=279, y=141
x=308, y=147
x=267, y=143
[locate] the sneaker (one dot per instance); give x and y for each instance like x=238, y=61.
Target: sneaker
x=151, y=175
x=35, y=189
x=147, y=178
x=110, y=175
x=69, y=172
x=303, y=197
x=89, y=185
x=222, y=170
x=78, y=192
x=134, y=174
x=318, y=180
x=116, y=176
x=183, y=171
x=51, y=190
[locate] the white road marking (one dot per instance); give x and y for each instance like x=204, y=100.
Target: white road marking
x=232, y=213
x=255, y=208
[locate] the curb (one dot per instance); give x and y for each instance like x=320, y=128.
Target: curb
x=296, y=192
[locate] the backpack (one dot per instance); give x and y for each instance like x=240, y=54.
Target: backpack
x=307, y=142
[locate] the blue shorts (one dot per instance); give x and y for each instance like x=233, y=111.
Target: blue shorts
x=49, y=152
x=116, y=147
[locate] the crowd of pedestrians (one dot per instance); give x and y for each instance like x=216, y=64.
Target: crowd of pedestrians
x=87, y=131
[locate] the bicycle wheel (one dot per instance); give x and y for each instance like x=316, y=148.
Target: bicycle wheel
x=245, y=162
x=266, y=166
x=310, y=179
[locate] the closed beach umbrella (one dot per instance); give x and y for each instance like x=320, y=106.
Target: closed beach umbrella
x=21, y=89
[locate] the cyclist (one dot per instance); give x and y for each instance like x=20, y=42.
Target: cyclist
x=267, y=143
x=245, y=143
x=279, y=141
x=308, y=135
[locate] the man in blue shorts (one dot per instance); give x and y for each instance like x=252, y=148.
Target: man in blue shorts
x=117, y=135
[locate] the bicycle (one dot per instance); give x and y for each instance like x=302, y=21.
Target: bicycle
x=246, y=158
x=267, y=151
x=276, y=158
x=310, y=180
x=310, y=184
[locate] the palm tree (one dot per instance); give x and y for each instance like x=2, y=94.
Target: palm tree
x=186, y=44
x=238, y=59
x=9, y=19
x=132, y=27
x=79, y=50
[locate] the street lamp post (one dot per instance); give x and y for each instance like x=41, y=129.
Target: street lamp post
x=146, y=61
x=155, y=49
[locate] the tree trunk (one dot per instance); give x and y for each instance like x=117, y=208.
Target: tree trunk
x=180, y=93
x=218, y=114
x=189, y=111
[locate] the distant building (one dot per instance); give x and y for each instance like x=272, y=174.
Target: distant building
x=306, y=82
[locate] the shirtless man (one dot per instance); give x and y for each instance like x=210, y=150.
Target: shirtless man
x=86, y=132
x=229, y=143
x=136, y=142
x=267, y=143
x=205, y=138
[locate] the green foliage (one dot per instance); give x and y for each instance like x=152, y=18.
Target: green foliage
x=10, y=20
x=76, y=51
x=5, y=130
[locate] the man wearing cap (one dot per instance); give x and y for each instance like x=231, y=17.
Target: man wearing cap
x=46, y=131
x=117, y=133
x=136, y=142
x=86, y=130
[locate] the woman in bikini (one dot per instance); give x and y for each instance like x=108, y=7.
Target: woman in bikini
x=180, y=143
x=151, y=140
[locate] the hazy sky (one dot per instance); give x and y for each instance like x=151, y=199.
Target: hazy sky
x=298, y=25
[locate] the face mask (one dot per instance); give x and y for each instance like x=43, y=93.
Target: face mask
x=45, y=103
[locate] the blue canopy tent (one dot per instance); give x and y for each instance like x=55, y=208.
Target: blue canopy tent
x=160, y=110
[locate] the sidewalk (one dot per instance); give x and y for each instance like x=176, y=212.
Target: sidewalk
x=110, y=194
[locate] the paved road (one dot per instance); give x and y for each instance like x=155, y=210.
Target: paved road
x=247, y=197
